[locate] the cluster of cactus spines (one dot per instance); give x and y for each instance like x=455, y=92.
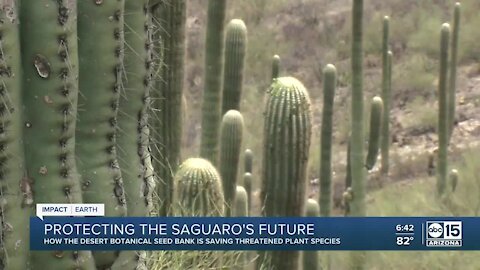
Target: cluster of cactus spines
x=453, y=179
x=247, y=184
x=15, y=189
x=211, y=107
x=169, y=19
x=376, y=113
x=329, y=85
x=453, y=68
x=275, y=66
x=198, y=189
x=231, y=136
x=310, y=259
x=386, y=96
x=287, y=134
x=235, y=50
x=442, y=167
x=100, y=82
x=50, y=88
x=357, y=129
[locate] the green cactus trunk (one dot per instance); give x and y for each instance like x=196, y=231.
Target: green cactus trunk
x=16, y=189
x=386, y=96
x=287, y=133
x=132, y=139
x=211, y=107
x=247, y=184
x=240, y=209
x=311, y=260
x=169, y=18
x=198, y=192
x=235, y=50
x=100, y=79
x=442, y=168
x=453, y=69
x=358, y=136
x=376, y=114
x=329, y=85
x=275, y=66
x=50, y=89
x=230, y=146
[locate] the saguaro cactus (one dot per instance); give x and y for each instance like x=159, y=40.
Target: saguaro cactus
x=198, y=189
x=329, y=84
x=386, y=95
x=248, y=161
x=287, y=133
x=442, y=168
x=211, y=107
x=376, y=113
x=310, y=258
x=235, y=49
x=358, y=136
x=169, y=18
x=16, y=190
x=247, y=184
x=275, y=66
x=240, y=209
x=230, y=145
x=50, y=88
x=100, y=80
x=133, y=134
x=453, y=69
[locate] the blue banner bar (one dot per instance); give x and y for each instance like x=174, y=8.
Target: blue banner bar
x=255, y=233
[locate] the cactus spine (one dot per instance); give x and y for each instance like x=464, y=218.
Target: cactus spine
x=442, y=167
x=329, y=85
x=16, y=190
x=100, y=80
x=211, y=107
x=453, y=69
x=357, y=139
x=275, y=66
x=311, y=258
x=386, y=95
x=230, y=146
x=235, y=49
x=50, y=88
x=169, y=20
x=287, y=133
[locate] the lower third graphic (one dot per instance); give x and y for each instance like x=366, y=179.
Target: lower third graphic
x=443, y=234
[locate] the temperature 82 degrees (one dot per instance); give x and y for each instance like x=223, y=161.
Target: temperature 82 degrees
x=404, y=240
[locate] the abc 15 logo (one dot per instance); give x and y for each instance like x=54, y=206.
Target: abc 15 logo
x=448, y=230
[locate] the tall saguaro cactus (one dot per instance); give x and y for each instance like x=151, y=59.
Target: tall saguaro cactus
x=230, y=147
x=275, y=66
x=310, y=258
x=50, y=88
x=287, y=134
x=16, y=190
x=453, y=69
x=386, y=95
x=358, y=136
x=329, y=85
x=211, y=108
x=442, y=168
x=133, y=154
x=376, y=114
x=100, y=80
x=235, y=50
x=169, y=18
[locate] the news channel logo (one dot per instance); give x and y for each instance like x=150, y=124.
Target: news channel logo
x=443, y=233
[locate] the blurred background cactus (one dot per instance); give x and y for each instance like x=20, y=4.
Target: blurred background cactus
x=101, y=100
